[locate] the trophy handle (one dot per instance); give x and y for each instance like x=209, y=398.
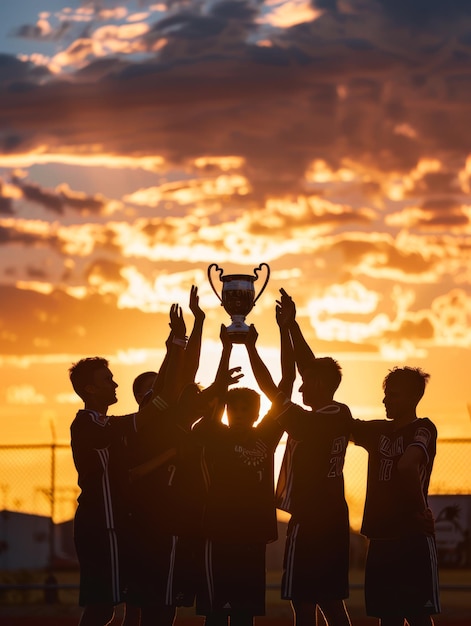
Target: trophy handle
x=217, y=269
x=256, y=270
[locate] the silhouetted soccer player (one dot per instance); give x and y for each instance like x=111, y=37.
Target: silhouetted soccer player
x=142, y=390
x=142, y=387
x=98, y=446
x=310, y=486
x=401, y=578
x=240, y=515
x=168, y=491
x=157, y=457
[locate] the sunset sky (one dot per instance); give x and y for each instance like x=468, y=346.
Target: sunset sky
x=141, y=142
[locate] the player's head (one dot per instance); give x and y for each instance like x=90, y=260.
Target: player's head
x=243, y=407
x=143, y=384
x=189, y=406
x=321, y=378
x=403, y=389
x=93, y=381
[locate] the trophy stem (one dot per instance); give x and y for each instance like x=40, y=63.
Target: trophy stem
x=238, y=329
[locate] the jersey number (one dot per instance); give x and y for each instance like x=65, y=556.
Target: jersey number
x=171, y=471
x=336, y=467
x=385, y=469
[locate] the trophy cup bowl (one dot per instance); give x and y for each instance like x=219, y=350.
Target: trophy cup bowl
x=238, y=298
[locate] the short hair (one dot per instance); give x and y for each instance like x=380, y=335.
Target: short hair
x=139, y=381
x=412, y=379
x=243, y=394
x=326, y=369
x=81, y=373
x=187, y=400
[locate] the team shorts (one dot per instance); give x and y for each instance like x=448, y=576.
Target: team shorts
x=187, y=570
x=234, y=579
x=315, y=564
x=401, y=577
x=150, y=571
x=165, y=571
x=99, y=562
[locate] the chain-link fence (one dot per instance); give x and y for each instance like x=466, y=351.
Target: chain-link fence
x=38, y=491
x=41, y=479
x=38, y=479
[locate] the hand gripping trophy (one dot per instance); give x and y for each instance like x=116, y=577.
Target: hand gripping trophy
x=238, y=298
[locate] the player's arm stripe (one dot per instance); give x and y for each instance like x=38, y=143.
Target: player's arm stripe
x=160, y=403
x=286, y=406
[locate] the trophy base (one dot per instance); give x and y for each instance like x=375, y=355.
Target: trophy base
x=237, y=331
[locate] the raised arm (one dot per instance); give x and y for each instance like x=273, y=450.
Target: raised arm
x=167, y=393
x=410, y=468
x=225, y=376
x=260, y=370
x=193, y=349
x=160, y=378
x=288, y=364
x=302, y=352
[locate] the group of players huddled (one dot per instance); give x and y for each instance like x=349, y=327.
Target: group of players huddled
x=176, y=507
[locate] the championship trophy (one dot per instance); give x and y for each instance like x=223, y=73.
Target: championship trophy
x=238, y=298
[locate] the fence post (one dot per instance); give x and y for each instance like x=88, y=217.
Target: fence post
x=52, y=505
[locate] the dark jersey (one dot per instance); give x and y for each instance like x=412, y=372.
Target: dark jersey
x=240, y=502
x=310, y=485
x=98, y=443
x=187, y=486
x=167, y=478
x=387, y=512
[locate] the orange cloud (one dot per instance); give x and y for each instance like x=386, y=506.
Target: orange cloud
x=192, y=191
x=284, y=14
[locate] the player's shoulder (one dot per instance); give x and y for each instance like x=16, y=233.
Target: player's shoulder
x=335, y=408
x=207, y=426
x=115, y=418
x=88, y=416
x=267, y=427
x=425, y=424
x=371, y=427
x=425, y=421
x=344, y=409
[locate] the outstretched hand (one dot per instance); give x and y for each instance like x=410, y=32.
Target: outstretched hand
x=283, y=317
x=234, y=375
x=285, y=310
x=251, y=337
x=225, y=338
x=177, y=323
x=195, y=308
